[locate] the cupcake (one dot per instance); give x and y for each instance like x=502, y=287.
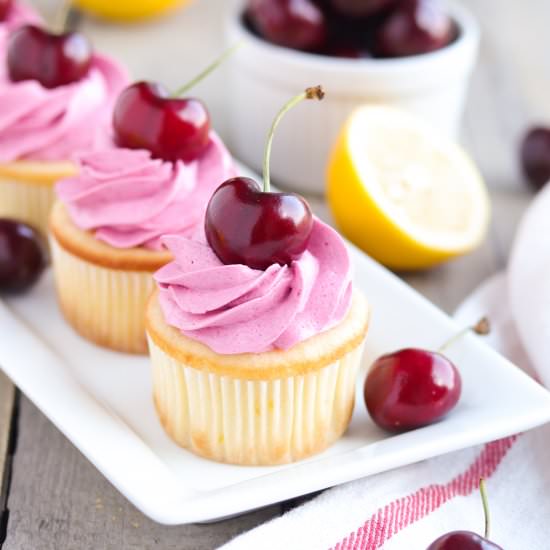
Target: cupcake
x=256, y=331
x=49, y=112
x=154, y=175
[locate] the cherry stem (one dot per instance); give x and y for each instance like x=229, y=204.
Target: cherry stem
x=211, y=68
x=315, y=92
x=485, y=503
x=62, y=16
x=482, y=328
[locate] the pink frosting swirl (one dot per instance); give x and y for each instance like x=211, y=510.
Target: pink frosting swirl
x=129, y=199
x=236, y=309
x=52, y=124
x=18, y=15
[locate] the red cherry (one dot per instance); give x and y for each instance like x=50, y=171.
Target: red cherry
x=51, y=59
x=360, y=8
x=467, y=540
x=146, y=117
x=22, y=256
x=535, y=157
x=5, y=7
x=415, y=27
x=463, y=540
x=244, y=225
x=411, y=388
x=298, y=24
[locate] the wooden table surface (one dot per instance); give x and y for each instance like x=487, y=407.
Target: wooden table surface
x=51, y=497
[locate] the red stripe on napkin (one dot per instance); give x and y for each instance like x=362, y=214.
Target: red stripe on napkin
x=397, y=515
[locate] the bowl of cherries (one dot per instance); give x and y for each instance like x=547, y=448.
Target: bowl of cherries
x=413, y=54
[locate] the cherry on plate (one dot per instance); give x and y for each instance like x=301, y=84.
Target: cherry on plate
x=415, y=27
x=298, y=24
x=51, y=59
x=172, y=128
x=22, y=256
x=411, y=388
x=535, y=156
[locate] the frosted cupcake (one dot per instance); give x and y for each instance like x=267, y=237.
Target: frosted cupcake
x=49, y=111
x=159, y=168
x=256, y=332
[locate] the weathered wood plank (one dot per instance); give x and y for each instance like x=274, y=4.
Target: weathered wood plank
x=7, y=399
x=58, y=500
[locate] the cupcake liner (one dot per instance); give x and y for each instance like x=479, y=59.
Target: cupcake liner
x=254, y=422
x=106, y=306
x=27, y=201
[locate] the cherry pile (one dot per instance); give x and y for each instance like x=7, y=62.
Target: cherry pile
x=353, y=28
x=22, y=256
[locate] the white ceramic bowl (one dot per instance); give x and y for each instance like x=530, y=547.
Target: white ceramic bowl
x=265, y=76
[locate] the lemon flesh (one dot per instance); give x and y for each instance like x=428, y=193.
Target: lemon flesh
x=402, y=193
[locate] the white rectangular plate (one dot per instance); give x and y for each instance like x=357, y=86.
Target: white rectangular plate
x=101, y=401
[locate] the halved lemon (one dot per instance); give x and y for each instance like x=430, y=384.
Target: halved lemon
x=127, y=10
x=405, y=195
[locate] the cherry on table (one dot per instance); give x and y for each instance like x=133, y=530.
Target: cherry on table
x=298, y=24
x=250, y=225
x=535, y=156
x=414, y=27
x=22, y=256
x=51, y=59
x=147, y=117
x=5, y=7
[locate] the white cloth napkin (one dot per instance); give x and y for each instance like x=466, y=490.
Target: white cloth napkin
x=408, y=508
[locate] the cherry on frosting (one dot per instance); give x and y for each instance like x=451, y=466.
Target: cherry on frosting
x=248, y=225
x=147, y=116
x=49, y=58
x=5, y=7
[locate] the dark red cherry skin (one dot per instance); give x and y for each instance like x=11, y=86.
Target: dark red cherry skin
x=22, y=256
x=297, y=24
x=415, y=27
x=360, y=8
x=535, y=157
x=5, y=7
x=246, y=226
x=145, y=117
x=51, y=59
x=411, y=388
x=463, y=540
